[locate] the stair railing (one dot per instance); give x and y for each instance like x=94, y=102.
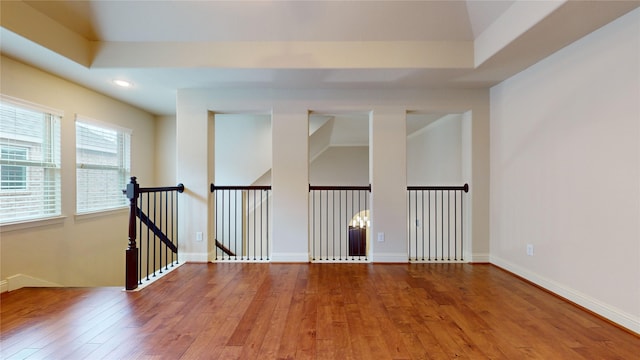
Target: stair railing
x=242, y=223
x=153, y=220
x=338, y=223
x=436, y=226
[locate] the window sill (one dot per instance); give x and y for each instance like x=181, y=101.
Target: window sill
x=28, y=224
x=100, y=213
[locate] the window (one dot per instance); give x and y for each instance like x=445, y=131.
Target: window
x=102, y=165
x=13, y=177
x=29, y=161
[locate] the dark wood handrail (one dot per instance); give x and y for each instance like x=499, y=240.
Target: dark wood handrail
x=179, y=188
x=340, y=187
x=464, y=187
x=240, y=187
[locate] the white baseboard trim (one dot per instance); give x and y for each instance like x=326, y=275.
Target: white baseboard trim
x=613, y=314
x=19, y=281
x=156, y=277
x=290, y=258
x=390, y=258
x=194, y=257
x=480, y=258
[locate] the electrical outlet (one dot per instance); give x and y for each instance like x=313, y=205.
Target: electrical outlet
x=530, y=249
x=380, y=237
x=199, y=236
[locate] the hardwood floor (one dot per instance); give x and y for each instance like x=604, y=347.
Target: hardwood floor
x=309, y=311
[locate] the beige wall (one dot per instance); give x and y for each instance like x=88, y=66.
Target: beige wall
x=565, y=172
x=341, y=165
x=76, y=251
x=165, y=151
x=242, y=148
x=434, y=153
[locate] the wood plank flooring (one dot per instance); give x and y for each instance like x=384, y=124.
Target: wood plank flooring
x=309, y=311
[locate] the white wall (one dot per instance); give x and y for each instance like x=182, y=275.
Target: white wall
x=77, y=251
x=434, y=153
x=290, y=109
x=565, y=172
x=242, y=148
x=341, y=165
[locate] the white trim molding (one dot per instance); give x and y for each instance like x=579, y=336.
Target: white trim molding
x=290, y=257
x=19, y=281
x=390, y=257
x=480, y=258
x=613, y=314
x=194, y=257
x=156, y=276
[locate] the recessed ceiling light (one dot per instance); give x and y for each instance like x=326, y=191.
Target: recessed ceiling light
x=122, y=83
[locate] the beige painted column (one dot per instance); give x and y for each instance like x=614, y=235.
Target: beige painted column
x=194, y=133
x=290, y=185
x=388, y=159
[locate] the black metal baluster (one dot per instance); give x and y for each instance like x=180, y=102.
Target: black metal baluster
x=234, y=215
x=409, y=222
x=353, y=211
x=141, y=205
x=313, y=238
x=156, y=245
x=435, y=225
x=423, y=226
x=366, y=206
x=148, y=235
x=267, y=232
x=261, y=230
x=449, y=225
x=455, y=220
x=461, y=229
x=172, y=221
x=429, y=222
x=415, y=223
x=326, y=222
x=340, y=232
x=160, y=226
x=254, y=225
x=247, y=250
x=333, y=225
x=222, y=237
x=359, y=212
x=319, y=254
x=174, y=225
x=235, y=223
x=166, y=226
x=217, y=220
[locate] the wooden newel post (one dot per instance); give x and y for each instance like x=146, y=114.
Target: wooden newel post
x=131, y=259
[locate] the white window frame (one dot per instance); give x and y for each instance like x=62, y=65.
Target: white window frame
x=86, y=203
x=46, y=195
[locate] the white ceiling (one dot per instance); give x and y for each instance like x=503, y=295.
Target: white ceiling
x=273, y=20
x=163, y=46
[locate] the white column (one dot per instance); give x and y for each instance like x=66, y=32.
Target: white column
x=194, y=170
x=290, y=185
x=388, y=159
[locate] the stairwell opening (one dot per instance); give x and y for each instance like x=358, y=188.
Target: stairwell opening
x=241, y=191
x=339, y=191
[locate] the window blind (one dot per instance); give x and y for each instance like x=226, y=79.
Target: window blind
x=29, y=161
x=103, y=165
